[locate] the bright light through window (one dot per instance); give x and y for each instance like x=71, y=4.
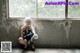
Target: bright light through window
x=22, y=8
x=53, y=11
x=31, y=8
x=74, y=10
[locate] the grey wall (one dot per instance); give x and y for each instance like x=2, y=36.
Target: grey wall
x=49, y=34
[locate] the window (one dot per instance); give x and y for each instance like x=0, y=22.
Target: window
x=38, y=9
x=74, y=10
x=35, y=8
x=50, y=11
x=22, y=8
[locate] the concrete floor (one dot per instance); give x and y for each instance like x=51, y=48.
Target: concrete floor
x=46, y=51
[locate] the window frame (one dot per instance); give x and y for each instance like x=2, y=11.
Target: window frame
x=36, y=17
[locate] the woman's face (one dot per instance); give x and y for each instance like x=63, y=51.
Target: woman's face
x=29, y=22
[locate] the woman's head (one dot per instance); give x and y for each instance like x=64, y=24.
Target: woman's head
x=28, y=21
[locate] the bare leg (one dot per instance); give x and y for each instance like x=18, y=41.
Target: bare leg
x=33, y=47
x=23, y=42
x=28, y=42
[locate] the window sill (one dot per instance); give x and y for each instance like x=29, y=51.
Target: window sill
x=21, y=18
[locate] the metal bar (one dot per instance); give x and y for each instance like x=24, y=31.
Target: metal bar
x=36, y=8
x=66, y=10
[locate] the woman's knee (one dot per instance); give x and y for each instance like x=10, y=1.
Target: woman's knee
x=25, y=40
x=20, y=40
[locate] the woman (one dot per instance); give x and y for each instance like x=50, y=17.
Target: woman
x=27, y=33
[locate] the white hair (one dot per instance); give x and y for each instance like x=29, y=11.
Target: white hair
x=26, y=20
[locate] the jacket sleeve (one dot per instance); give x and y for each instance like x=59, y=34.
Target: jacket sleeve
x=33, y=30
x=35, y=36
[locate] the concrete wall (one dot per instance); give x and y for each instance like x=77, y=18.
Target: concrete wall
x=49, y=34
